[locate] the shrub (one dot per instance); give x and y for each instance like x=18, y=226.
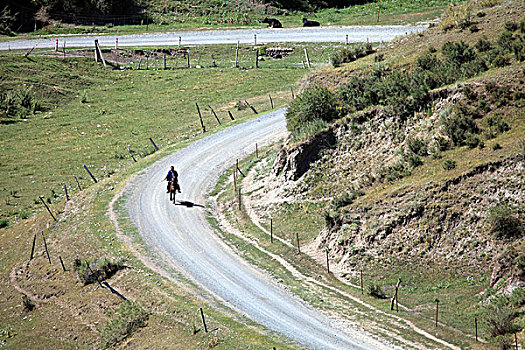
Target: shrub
x=472, y=141
x=27, y=303
x=517, y=298
x=344, y=200
x=506, y=41
x=376, y=291
x=91, y=270
x=349, y=55
x=483, y=44
x=503, y=222
x=417, y=146
x=4, y=223
x=511, y=26
x=496, y=124
x=313, y=104
x=496, y=146
x=449, y=164
x=498, y=58
x=499, y=318
x=414, y=160
x=125, y=319
x=458, y=52
x=458, y=128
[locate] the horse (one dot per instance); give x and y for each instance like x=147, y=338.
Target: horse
x=272, y=22
x=307, y=23
x=174, y=187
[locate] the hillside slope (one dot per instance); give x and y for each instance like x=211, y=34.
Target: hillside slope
x=428, y=182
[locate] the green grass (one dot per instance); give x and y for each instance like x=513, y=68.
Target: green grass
x=121, y=108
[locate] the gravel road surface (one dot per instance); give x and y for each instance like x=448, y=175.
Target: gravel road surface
x=182, y=232
x=245, y=36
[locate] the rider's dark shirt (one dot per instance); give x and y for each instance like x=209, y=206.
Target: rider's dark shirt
x=172, y=175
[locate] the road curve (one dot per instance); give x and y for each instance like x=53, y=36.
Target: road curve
x=183, y=234
x=209, y=37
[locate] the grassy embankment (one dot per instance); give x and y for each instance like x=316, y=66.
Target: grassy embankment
x=459, y=285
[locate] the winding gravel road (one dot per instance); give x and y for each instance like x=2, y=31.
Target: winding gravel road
x=245, y=36
x=184, y=235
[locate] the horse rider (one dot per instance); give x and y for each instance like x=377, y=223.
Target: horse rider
x=172, y=176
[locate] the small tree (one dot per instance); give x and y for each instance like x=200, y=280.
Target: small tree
x=503, y=222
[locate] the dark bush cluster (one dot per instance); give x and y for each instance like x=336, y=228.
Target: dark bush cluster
x=504, y=223
x=91, y=271
x=316, y=103
x=350, y=55
x=17, y=103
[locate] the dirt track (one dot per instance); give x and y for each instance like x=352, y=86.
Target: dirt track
x=182, y=232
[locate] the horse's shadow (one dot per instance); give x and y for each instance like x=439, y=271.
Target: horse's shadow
x=188, y=204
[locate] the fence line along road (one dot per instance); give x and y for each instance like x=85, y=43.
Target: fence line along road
x=208, y=37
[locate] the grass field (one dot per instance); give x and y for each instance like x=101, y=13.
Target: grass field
x=91, y=115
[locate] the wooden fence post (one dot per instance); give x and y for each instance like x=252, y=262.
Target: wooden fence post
x=188, y=58
x=239, y=169
x=131, y=154
x=378, y=12
x=394, y=298
x=62, y=263
x=298, y=246
x=45, y=246
x=251, y=107
x=237, y=55
x=65, y=191
x=140, y=62
x=200, y=117
x=271, y=101
x=327, y=262
x=307, y=58
x=113, y=290
x=153, y=143
x=257, y=58
x=293, y=96
x=256, y=151
x=437, y=311
x=49, y=210
x=271, y=230
x=476, y=324
x=203, y=321
x=215, y=114
x=165, y=62
x=516, y=340
x=235, y=181
x=78, y=183
x=231, y=115
x=33, y=247
x=361, y=275
x=89, y=172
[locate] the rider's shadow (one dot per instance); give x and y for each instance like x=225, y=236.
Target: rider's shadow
x=189, y=204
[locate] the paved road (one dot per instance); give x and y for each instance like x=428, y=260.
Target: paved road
x=184, y=235
x=246, y=36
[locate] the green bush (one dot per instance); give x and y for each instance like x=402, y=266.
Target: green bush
x=96, y=270
x=18, y=103
x=496, y=124
x=503, y=222
x=483, y=44
x=499, y=318
x=413, y=160
x=511, y=26
x=459, y=127
x=517, y=298
x=449, y=164
x=125, y=319
x=349, y=55
x=417, y=146
x=343, y=200
x=316, y=103
x=375, y=290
